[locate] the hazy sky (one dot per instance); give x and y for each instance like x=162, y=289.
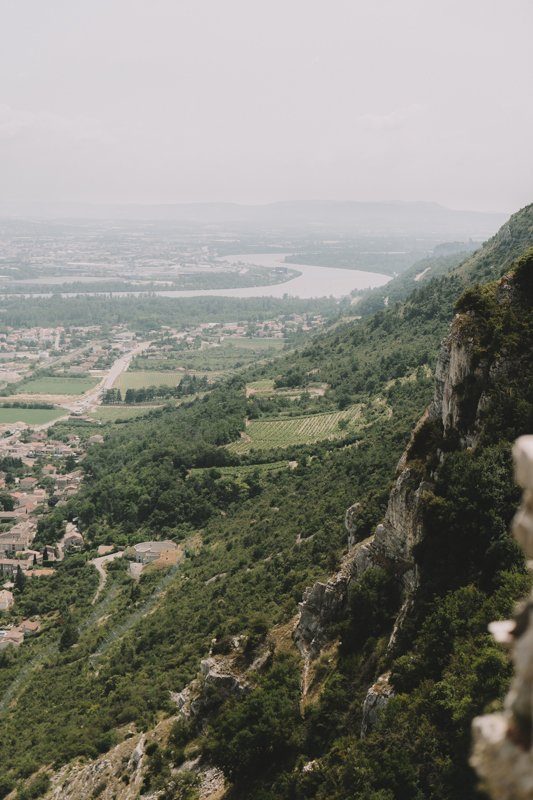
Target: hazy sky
x=261, y=100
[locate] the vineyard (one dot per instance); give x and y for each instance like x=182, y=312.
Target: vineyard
x=266, y=434
x=112, y=413
x=266, y=388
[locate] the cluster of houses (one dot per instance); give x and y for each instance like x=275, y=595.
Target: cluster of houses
x=209, y=334
x=77, y=349
x=19, y=526
x=16, y=554
x=37, y=473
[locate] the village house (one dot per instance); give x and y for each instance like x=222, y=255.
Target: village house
x=7, y=601
x=9, y=545
x=10, y=638
x=28, y=482
x=13, y=542
x=9, y=566
x=72, y=540
x=29, y=627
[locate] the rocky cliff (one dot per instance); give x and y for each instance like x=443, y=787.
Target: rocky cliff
x=392, y=543
x=465, y=376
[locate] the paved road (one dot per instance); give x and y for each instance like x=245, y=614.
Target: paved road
x=93, y=398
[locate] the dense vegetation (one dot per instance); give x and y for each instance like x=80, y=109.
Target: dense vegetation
x=151, y=312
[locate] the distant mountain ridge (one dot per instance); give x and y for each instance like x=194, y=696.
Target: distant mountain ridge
x=423, y=218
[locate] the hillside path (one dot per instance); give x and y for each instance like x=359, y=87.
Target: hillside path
x=99, y=564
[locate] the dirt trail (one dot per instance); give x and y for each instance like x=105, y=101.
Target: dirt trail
x=98, y=564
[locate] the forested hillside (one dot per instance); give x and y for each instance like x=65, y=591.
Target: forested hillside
x=360, y=358
x=281, y=718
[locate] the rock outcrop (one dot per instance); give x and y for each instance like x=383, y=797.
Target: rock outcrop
x=221, y=673
x=117, y=774
x=503, y=743
x=375, y=701
x=350, y=522
x=323, y=602
x=454, y=367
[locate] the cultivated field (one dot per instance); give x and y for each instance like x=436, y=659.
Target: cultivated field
x=139, y=379
x=59, y=386
x=112, y=413
x=266, y=434
x=31, y=416
x=265, y=387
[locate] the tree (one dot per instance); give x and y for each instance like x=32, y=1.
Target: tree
x=20, y=580
x=7, y=502
x=69, y=635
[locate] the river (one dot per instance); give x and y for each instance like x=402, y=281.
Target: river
x=311, y=282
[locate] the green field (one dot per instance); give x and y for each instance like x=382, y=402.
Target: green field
x=112, y=413
x=138, y=379
x=31, y=416
x=62, y=385
x=265, y=434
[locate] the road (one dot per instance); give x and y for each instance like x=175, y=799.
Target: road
x=93, y=398
x=98, y=564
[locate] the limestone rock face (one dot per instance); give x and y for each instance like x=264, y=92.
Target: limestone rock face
x=503, y=743
x=115, y=775
x=395, y=538
x=350, y=520
x=321, y=606
x=219, y=672
x=453, y=368
x=375, y=701
x=391, y=546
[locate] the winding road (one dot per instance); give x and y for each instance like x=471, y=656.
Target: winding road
x=99, y=564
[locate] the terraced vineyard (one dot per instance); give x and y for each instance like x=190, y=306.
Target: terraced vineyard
x=266, y=434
